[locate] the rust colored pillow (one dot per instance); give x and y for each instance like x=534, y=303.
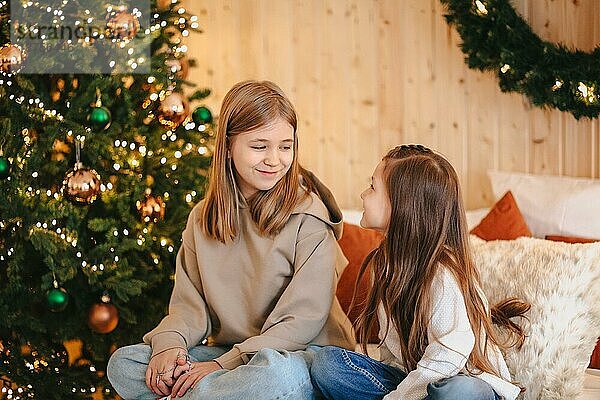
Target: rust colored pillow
x=570, y=239
x=503, y=222
x=356, y=243
x=595, y=360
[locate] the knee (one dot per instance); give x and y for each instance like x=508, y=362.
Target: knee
x=461, y=387
x=122, y=365
x=324, y=365
x=116, y=363
x=285, y=373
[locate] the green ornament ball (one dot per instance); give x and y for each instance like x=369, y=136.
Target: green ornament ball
x=100, y=118
x=4, y=168
x=202, y=115
x=57, y=299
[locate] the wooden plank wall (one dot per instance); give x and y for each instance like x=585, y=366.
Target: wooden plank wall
x=366, y=75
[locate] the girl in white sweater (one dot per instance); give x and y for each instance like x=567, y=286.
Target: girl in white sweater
x=436, y=334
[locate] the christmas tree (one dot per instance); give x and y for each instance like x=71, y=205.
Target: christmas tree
x=98, y=172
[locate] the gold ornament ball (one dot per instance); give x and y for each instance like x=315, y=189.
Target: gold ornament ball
x=103, y=317
x=173, y=110
x=11, y=58
x=151, y=208
x=178, y=66
x=81, y=185
x=122, y=25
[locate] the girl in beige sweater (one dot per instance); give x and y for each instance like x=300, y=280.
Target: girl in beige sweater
x=255, y=274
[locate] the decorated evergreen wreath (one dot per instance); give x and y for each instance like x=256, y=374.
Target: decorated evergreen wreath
x=496, y=38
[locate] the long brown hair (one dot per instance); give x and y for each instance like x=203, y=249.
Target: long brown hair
x=247, y=106
x=427, y=230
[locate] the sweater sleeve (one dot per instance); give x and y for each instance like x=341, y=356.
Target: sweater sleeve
x=451, y=341
x=302, y=309
x=187, y=322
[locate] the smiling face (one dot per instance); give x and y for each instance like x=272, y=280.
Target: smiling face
x=263, y=156
x=376, y=202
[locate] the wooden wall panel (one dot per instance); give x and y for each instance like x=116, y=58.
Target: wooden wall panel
x=364, y=149
x=366, y=75
x=391, y=73
x=451, y=124
x=308, y=32
x=336, y=91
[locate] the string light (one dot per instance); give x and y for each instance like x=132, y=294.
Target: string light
x=35, y=107
x=557, y=85
x=587, y=93
x=481, y=10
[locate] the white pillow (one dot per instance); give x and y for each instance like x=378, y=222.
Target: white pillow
x=562, y=283
x=352, y=216
x=474, y=217
x=553, y=205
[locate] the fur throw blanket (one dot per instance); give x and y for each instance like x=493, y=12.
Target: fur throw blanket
x=562, y=283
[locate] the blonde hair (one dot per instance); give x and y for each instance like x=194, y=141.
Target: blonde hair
x=427, y=230
x=247, y=106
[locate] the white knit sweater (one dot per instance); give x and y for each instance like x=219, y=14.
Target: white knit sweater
x=446, y=356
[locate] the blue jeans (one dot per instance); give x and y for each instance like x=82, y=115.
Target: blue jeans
x=269, y=375
x=342, y=374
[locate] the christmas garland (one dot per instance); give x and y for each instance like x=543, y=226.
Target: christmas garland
x=496, y=38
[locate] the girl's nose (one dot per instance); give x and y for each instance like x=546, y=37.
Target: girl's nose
x=271, y=158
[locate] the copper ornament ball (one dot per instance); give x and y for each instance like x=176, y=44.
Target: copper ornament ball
x=11, y=58
x=163, y=5
x=81, y=185
x=178, y=66
x=173, y=110
x=122, y=25
x=151, y=208
x=103, y=317
x=174, y=35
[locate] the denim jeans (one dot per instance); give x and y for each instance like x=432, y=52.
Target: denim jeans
x=269, y=375
x=342, y=374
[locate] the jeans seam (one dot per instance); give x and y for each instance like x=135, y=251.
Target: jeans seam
x=363, y=371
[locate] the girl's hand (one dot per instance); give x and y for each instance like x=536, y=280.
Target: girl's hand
x=190, y=374
x=159, y=374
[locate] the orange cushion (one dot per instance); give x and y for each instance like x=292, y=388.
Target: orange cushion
x=503, y=222
x=595, y=359
x=356, y=243
x=570, y=239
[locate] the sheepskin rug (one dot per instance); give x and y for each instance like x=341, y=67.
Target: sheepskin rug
x=562, y=283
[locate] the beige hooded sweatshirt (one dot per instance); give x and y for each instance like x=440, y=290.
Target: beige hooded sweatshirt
x=259, y=292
